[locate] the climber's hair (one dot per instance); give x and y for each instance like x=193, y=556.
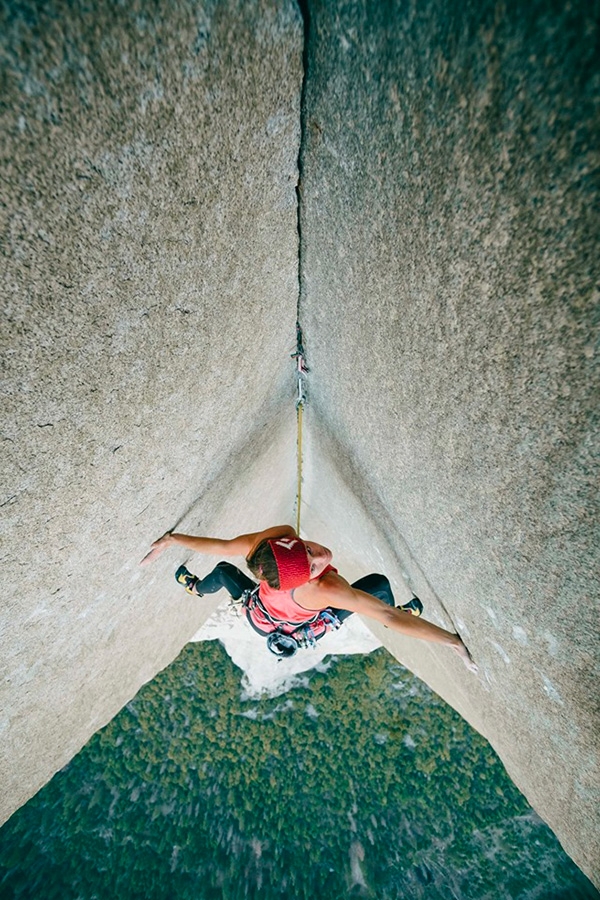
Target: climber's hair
x=261, y=562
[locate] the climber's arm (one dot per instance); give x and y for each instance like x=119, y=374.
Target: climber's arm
x=334, y=591
x=237, y=546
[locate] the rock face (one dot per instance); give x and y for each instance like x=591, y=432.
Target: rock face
x=449, y=278
x=450, y=272
x=150, y=280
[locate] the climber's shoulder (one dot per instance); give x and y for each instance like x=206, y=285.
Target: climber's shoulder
x=331, y=589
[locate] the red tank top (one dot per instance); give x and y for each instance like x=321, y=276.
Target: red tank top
x=282, y=606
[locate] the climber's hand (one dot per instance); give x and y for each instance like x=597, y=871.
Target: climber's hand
x=157, y=548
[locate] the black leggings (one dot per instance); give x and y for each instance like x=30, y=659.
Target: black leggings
x=225, y=575
x=377, y=586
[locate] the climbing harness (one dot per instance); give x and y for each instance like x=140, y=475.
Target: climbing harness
x=286, y=638
x=301, y=372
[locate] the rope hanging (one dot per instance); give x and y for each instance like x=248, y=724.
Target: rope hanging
x=301, y=371
x=299, y=457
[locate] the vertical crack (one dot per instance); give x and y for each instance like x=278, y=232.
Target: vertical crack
x=305, y=13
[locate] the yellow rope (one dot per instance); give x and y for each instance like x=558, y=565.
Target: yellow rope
x=299, y=409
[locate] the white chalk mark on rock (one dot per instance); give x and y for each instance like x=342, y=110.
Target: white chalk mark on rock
x=492, y=614
x=462, y=628
x=486, y=680
x=520, y=635
x=551, y=691
x=553, y=647
x=501, y=652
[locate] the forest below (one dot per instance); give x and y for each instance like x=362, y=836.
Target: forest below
x=359, y=782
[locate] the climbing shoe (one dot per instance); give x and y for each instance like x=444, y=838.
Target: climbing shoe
x=184, y=576
x=414, y=607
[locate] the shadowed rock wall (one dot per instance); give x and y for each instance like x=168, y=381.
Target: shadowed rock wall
x=149, y=261
x=450, y=307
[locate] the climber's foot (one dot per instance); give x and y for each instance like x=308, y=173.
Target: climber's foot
x=184, y=576
x=414, y=607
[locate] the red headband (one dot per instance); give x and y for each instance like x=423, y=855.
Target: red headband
x=292, y=562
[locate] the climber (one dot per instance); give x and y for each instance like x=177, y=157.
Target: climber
x=297, y=584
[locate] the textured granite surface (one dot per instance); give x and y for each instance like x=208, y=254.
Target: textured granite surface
x=450, y=277
x=450, y=304
x=149, y=283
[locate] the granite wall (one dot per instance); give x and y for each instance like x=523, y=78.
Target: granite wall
x=150, y=279
x=449, y=296
x=450, y=278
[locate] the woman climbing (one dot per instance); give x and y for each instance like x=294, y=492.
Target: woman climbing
x=298, y=586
